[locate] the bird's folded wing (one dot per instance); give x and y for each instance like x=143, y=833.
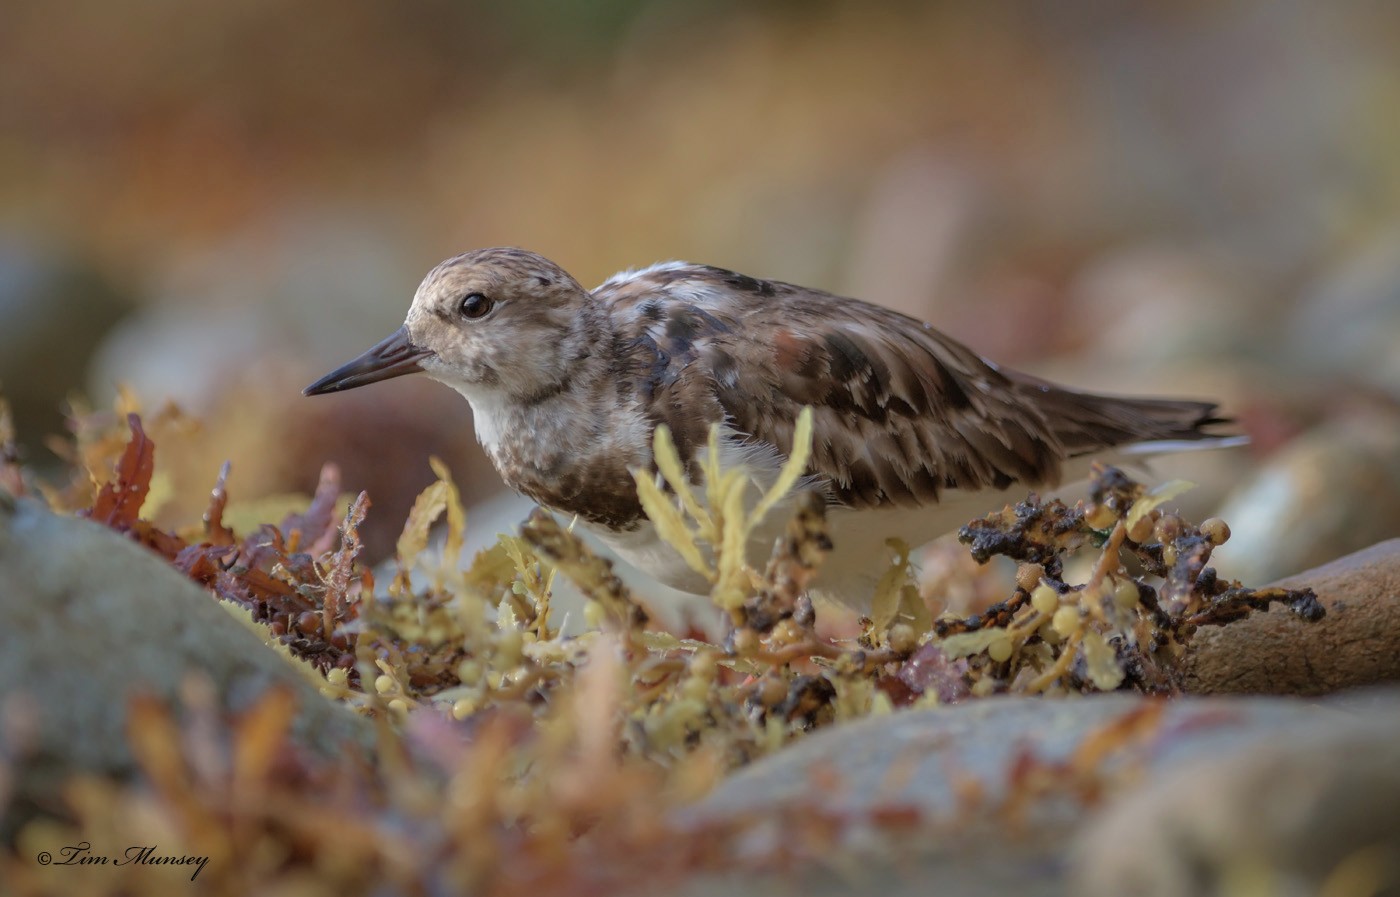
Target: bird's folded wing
x=902, y=412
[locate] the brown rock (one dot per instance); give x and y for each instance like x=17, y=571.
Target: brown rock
x=1356, y=644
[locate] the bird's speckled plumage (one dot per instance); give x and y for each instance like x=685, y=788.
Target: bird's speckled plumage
x=568, y=385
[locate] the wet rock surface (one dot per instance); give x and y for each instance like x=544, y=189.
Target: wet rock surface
x=90, y=619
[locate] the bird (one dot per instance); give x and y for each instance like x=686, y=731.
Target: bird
x=913, y=433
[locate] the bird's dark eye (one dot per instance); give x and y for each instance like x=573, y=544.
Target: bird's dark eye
x=475, y=305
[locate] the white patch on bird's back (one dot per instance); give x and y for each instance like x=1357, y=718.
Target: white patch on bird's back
x=623, y=277
x=707, y=294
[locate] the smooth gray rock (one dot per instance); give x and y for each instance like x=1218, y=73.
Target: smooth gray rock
x=926, y=758
x=980, y=739
x=1289, y=814
x=89, y=618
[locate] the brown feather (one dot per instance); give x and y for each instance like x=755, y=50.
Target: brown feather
x=903, y=411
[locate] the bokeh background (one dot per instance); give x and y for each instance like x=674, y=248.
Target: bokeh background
x=217, y=202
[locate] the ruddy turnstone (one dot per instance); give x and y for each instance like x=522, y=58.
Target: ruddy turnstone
x=914, y=434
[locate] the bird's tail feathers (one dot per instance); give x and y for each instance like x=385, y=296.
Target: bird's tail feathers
x=1089, y=422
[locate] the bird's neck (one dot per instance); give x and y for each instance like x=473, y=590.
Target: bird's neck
x=571, y=449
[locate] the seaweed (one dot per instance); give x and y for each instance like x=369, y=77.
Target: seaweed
x=514, y=758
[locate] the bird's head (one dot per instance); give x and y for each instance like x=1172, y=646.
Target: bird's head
x=487, y=322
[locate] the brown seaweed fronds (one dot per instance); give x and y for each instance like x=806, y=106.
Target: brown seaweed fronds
x=290, y=577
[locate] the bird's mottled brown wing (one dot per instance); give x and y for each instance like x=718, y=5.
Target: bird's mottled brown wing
x=902, y=411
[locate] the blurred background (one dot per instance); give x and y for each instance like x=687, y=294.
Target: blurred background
x=218, y=202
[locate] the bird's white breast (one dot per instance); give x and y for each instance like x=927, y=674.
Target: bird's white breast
x=488, y=418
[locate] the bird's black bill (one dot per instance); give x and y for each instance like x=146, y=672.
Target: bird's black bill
x=393, y=357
